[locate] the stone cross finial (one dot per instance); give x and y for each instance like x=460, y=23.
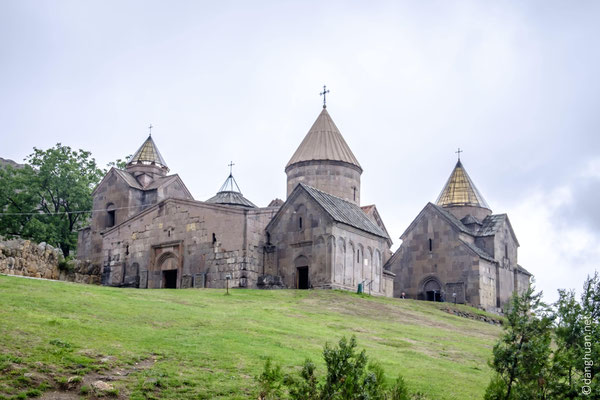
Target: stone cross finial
x=150, y=128
x=458, y=152
x=231, y=164
x=324, y=94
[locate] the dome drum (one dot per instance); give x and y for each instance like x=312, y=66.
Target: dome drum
x=334, y=177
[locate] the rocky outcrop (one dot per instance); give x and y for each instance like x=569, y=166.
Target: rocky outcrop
x=25, y=258
x=22, y=257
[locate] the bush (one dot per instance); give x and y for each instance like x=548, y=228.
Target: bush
x=67, y=264
x=349, y=376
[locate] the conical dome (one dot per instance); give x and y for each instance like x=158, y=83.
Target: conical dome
x=324, y=142
x=148, y=154
x=230, y=194
x=460, y=191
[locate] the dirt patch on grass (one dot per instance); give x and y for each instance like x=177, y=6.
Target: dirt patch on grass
x=103, y=383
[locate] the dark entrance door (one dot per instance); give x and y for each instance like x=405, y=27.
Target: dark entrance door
x=433, y=290
x=302, y=277
x=170, y=279
x=433, y=295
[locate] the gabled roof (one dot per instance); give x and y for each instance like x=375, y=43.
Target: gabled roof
x=324, y=142
x=373, y=214
x=133, y=183
x=451, y=219
x=343, y=211
x=338, y=209
x=492, y=223
x=470, y=220
x=148, y=154
x=460, y=190
x=128, y=178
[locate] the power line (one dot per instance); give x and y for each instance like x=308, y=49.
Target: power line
x=64, y=212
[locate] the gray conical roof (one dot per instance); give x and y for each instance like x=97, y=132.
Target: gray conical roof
x=230, y=194
x=324, y=142
x=460, y=191
x=148, y=154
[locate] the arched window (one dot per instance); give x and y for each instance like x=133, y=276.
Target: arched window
x=110, y=215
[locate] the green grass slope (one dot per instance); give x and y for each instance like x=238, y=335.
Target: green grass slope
x=203, y=344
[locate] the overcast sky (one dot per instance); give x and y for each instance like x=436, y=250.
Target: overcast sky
x=514, y=84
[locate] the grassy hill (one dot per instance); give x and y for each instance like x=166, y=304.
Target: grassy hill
x=202, y=344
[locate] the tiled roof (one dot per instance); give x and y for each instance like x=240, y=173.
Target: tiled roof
x=460, y=190
x=148, y=153
x=491, y=224
x=469, y=219
x=344, y=212
x=158, y=182
x=324, y=142
x=230, y=194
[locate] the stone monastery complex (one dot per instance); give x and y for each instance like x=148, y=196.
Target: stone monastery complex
x=154, y=234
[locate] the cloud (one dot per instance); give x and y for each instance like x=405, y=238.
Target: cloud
x=559, y=232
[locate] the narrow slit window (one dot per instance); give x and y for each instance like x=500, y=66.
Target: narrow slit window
x=430, y=244
x=110, y=215
x=300, y=222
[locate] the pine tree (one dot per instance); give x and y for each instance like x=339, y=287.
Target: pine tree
x=521, y=357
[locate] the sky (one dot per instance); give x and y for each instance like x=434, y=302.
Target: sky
x=514, y=84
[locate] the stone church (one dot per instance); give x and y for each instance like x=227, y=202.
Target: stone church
x=151, y=233
x=456, y=250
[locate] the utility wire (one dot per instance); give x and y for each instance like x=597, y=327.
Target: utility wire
x=64, y=212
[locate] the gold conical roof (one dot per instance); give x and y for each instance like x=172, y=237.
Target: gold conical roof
x=148, y=154
x=324, y=142
x=460, y=191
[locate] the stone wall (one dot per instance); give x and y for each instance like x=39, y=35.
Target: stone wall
x=25, y=258
x=443, y=264
x=200, y=243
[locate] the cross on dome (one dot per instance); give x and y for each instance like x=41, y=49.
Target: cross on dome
x=324, y=94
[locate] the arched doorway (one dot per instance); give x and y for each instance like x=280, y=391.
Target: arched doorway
x=432, y=290
x=168, y=264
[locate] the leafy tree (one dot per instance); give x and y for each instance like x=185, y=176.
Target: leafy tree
x=50, y=198
x=521, y=357
x=118, y=163
x=588, y=364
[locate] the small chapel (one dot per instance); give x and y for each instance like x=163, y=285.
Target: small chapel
x=457, y=250
x=149, y=232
